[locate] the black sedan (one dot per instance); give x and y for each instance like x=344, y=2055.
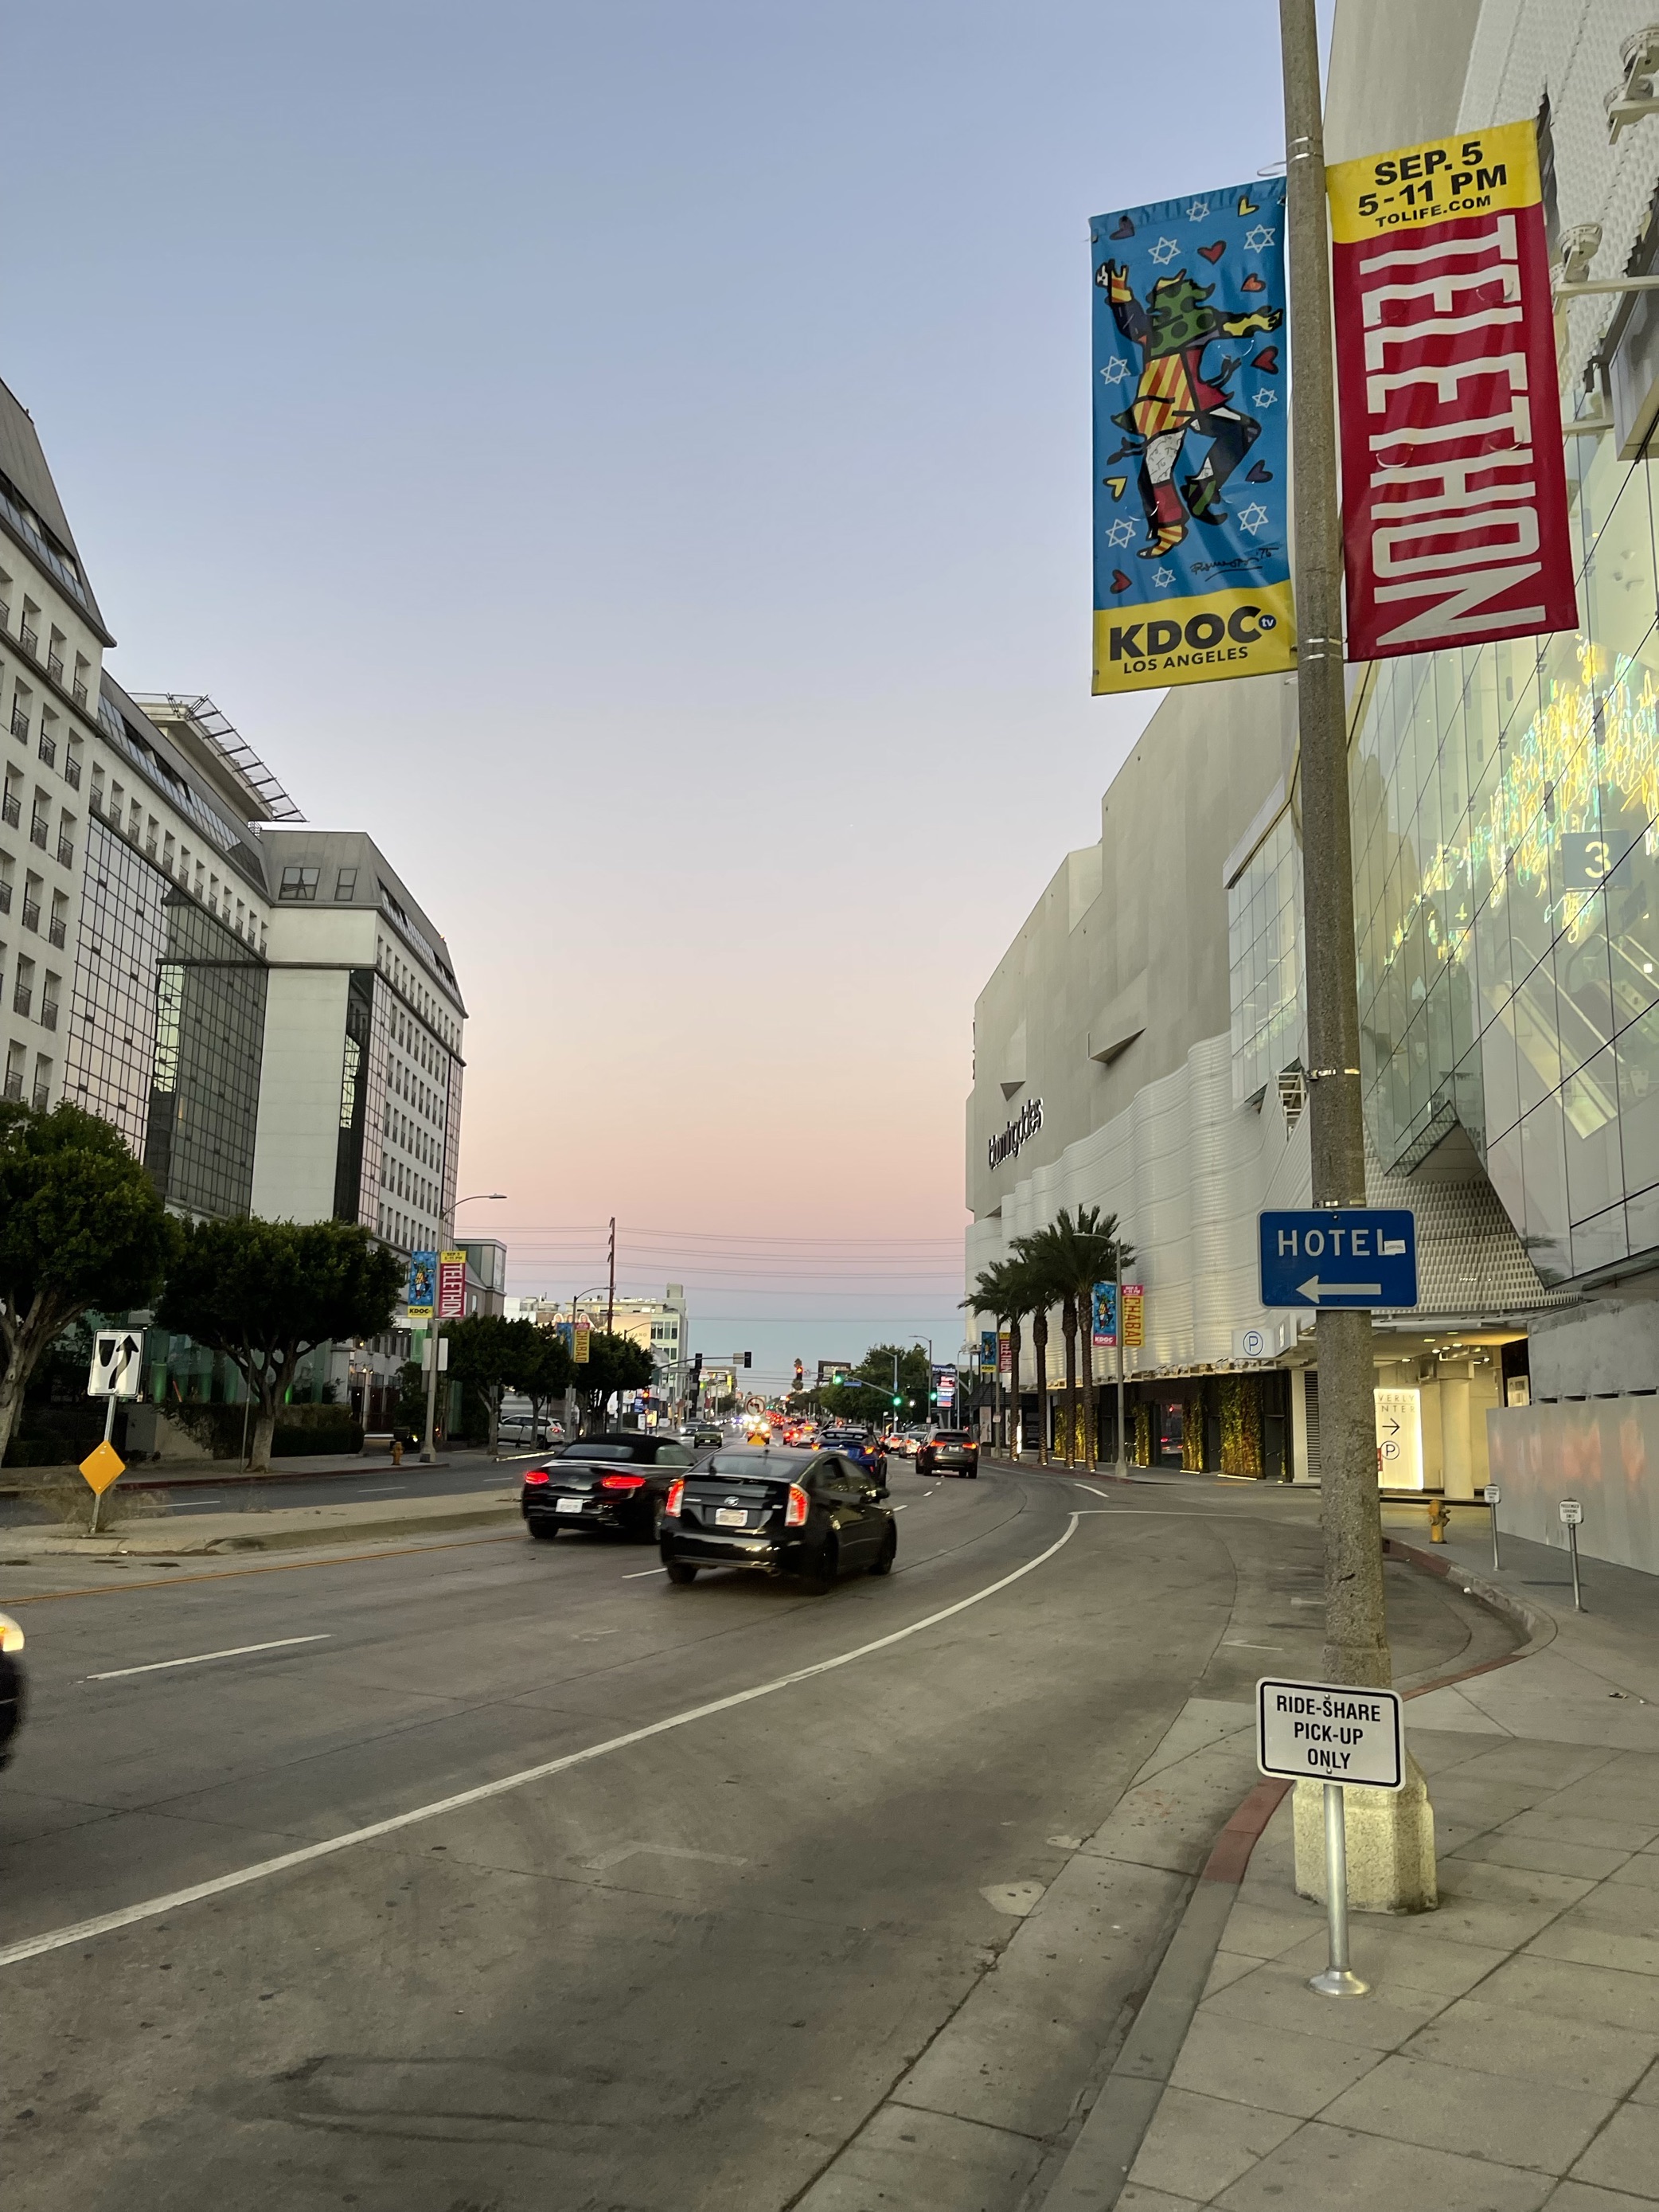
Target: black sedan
x=816, y=1515
x=948, y=1451
x=614, y=1484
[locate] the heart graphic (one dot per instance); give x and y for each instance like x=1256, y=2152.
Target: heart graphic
x=1116, y=485
x=1119, y=581
x=1260, y=474
x=1267, y=360
x=1252, y=283
x=1246, y=205
x=1214, y=252
x=1125, y=229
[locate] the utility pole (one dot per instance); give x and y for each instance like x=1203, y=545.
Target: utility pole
x=1356, y=1636
x=1117, y=1351
x=610, y=1295
x=1390, y=1833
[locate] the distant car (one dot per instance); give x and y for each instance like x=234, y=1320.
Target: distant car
x=11, y=1684
x=612, y=1485
x=816, y=1515
x=525, y=1429
x=699, y=1433
x=858, y=1444
x=949, y=1451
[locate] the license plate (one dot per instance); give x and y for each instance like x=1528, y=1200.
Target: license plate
x=570, y=1504
x=730, y=1517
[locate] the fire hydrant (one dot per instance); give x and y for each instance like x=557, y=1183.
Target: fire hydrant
x=397, y=1451
x=1438, y=1519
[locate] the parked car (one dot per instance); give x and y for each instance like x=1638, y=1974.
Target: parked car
x=949, y=1451
x=525, y=1429
x=615, y=1485
x=11, y=1684
x=816, y=1515
x=858, y=1444
x=699, y=1434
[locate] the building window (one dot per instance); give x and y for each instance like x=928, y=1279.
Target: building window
x=298, y=885
x=1264, y=952
x=345, y=885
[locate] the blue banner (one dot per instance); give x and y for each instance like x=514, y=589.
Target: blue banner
x=1192, y=554
x=1103, y=1322
x=422, y=1285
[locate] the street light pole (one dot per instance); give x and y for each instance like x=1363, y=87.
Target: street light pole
x=1395, y=1828
x=429, y=1441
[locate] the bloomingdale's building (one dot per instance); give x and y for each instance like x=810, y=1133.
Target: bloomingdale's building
x=1141, y=1043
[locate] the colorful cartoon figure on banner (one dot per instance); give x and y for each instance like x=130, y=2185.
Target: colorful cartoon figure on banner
x=1174, y=399
x=1189, y=424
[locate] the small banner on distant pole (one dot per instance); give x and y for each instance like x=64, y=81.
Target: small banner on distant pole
x=452, y=1285
x=422, y=1287
x=1192, y=557
x=1455, y=519
x=1103, y=1316
x=1134, y=1316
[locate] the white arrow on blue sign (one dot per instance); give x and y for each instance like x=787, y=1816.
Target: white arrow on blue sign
x=1331, y=1256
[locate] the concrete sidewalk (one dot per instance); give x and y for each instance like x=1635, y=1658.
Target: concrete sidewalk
x=1507, y=2057
x=183, y=1535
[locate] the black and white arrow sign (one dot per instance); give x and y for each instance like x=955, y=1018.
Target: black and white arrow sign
x=117, y=1360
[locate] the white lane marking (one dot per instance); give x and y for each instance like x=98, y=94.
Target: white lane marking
x=105, y=1923
x=1238, y=1643
x=1093, y=1493
x=397, y=1489
x=201, y=1658
x=899, y=1509
x=639, y=1573
x=661, y=1851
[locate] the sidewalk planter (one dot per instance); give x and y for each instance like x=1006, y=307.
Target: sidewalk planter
x=1390, y=1838
x=1602, y=1451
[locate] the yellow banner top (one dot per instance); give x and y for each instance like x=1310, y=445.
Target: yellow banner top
x=1471, y=173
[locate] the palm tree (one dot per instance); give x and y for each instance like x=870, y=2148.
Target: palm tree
x=1003, y=1290
x=1073, y=1254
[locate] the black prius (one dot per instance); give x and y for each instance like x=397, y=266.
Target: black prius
x=815, y=1514
x=614, y=1484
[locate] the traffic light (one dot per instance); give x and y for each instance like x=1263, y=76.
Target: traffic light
x=748, y=1358
x=897, y=1401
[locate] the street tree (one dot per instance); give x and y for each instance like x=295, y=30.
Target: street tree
x=867, y=1394
x=1005, y=1291
x=266, y=1293
x=614, y=1363
x=81, y=1228
x=1071, y=1255
x=547, y=1371
x=488, y=1355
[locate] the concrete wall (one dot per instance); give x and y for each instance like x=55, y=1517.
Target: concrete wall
x=1586, y=1351
x=1121, y=969
x=297, y=1146
x=1600, y=1452
x=1396, y=73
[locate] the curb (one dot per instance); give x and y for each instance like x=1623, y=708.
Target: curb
x=275, y=1540
x=1096, y=2167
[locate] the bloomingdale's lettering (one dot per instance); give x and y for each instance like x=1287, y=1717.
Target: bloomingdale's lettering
x=1025, y=1125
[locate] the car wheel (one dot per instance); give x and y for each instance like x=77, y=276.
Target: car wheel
x=545, y=1533
x=679, y=1572
x=822, y=1580
x=888, y=1553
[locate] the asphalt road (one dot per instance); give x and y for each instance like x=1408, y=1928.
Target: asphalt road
x=676, y=1975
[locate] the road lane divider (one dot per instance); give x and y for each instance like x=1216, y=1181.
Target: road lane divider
x=129, y=1915
x=201, y=1658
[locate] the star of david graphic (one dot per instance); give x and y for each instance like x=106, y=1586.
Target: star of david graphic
x=1115, y=369
x=1253, y=517
x=1120, y=532
x=1198, y=210
x=1164, y=577
x=1259, y=237
x=1165, y=250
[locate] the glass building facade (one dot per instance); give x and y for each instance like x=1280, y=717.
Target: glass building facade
x=167, y=1029
x=1506, y=859
x=1264, y=952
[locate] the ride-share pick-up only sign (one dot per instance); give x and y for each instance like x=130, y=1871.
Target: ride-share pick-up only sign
x=1349, y=1255
x=1330, y=1732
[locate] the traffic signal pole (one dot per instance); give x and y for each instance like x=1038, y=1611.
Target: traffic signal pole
x=1392, y=1854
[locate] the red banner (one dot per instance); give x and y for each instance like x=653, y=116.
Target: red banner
x=1455, y=519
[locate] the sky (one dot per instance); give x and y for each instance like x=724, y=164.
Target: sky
x=632, y=458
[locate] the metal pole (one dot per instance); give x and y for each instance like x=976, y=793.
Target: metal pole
x=1337, y=1981
x=1122, y=1460
x=1496, y=1561
x=1572, y=1546
x=610, y=1295
x=109, y=1432
x=1356, y=1646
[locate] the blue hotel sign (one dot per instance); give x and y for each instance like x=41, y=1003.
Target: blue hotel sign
x=1331, y=1256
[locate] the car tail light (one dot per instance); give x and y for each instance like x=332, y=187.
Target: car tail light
x=535, y=1474
x=676, y=1491
x=795, y=1512
x=621, y=1482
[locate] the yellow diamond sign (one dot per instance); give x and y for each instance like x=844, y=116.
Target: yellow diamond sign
x=103, y=1467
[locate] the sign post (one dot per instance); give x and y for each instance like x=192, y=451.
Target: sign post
x=1494, y=1497
x=1343, y=1738
x=117, y=1371
x=1571, y=1514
